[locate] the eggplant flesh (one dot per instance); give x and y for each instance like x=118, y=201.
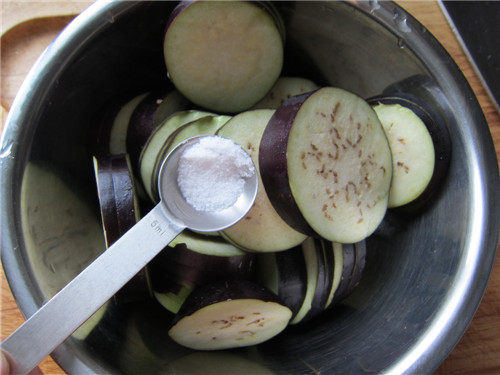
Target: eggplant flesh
x=284, y=273
x=284, y=89
x=441, y=141
x=312, y=268
x=156, y=142
x=172, y=301
x=325, y=160
x=359, y=266
x=208, y=245
x=180, y=266
x=121, y=122
x=220, y=79
x=228, y=315
x=262, y=229
x=338, y=264
x=324, y=280
x=120, y=212
x=349, y=260
x=412, y=151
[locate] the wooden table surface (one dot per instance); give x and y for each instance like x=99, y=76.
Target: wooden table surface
x=478, y=352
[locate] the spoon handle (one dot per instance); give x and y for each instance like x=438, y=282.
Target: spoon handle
x=86, y=293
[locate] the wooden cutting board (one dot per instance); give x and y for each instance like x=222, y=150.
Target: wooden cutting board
x=478, y=352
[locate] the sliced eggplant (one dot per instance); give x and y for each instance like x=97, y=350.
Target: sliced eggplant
x=119, y=212
x=203, y=126
x=99, y=134
x=324, y=277
x=262, y=229
x=359, y=266
x=319, y=268
x=326, y=165
x=338, y=265
x=349, y=260
x=420, y=145
x=156, y=141
x=224, y=56
x=311, y=259
x=141, y=124
x=181, y=266
x=148, y=115
x=173, y=103
x=211, y=234
x=354, y=265
x=329, y=266
x=176, y=271
x=119, y=129
x=284, y=89
x=268, y=273
x=229, y=314
x=86, y=328
x=172, y=301
x=284, y=273
x=208, y=245
x=278, y=19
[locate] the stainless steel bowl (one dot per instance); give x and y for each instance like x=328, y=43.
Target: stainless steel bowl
x=424, y=277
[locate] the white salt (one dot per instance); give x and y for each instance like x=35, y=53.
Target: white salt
x=212, y=173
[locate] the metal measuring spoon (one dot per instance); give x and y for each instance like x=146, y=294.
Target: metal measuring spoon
x=86, y=293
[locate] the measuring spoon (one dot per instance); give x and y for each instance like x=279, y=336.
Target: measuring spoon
x=87, y=292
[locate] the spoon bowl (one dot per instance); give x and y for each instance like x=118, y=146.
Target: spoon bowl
x=202, y=221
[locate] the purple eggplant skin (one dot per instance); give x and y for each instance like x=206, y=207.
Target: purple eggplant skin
x=178, y=266
x=323, y=285
x=224, y=291
x=100, y=134
x=141, y=124
x=116, y=197
x=273, y=164
x=107, y=203
x=269, y=8
x=359, y=266
x=442, y=147
x=292, y=278
x=329, y=268
x=124, y=193
x=265, y=5
x=349, y=255
x=179, y=8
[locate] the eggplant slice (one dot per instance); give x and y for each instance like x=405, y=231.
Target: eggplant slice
x=421, y=149
x=224, y=56
x=324, y=279
x=262, y=229
x=120, y=126
x=228, y=315
x=337, y=249
x=349, y=261
x=207, y=125
x=284, y=273
x=176, y=271
x=284, y=89
x=208, y=245
x=157, y=139
x=311, y=259
x=326, y=164
x=120, y=212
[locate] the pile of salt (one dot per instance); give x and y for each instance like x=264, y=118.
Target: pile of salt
x=212, y=173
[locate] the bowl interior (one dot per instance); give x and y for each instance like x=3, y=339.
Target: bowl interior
x=412, y=263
